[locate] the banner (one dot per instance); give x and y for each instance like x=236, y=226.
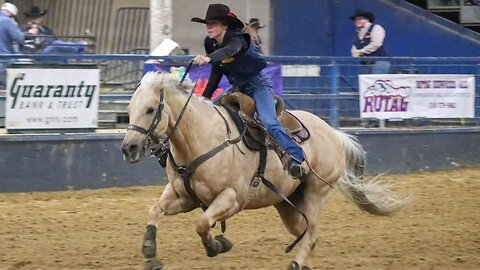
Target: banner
x=273, y=72
x=406, y=96
x=52, y=98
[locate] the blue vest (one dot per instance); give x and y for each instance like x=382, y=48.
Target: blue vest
x=360, y=43
x=241, y=67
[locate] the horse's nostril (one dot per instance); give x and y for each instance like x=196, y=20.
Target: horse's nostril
x=129, y=149
x=132, y=149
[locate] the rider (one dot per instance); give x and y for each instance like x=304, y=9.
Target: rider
x=232, y=54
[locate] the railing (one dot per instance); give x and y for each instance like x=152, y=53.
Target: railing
x=123, y=73
x=332, y=93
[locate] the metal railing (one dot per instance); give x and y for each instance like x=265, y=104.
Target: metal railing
x=331, y=94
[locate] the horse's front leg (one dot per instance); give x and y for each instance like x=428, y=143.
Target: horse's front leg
x=224, y=206
x=168, y=204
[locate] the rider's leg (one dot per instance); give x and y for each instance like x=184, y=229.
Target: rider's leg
x=260, y=89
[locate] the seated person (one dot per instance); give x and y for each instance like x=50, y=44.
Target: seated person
x=37, y=38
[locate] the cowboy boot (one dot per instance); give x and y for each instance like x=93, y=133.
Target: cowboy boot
x=297, y=170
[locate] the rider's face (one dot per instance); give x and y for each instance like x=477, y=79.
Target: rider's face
x=215, y=29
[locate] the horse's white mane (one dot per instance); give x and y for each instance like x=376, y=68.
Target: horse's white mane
x=167, y=80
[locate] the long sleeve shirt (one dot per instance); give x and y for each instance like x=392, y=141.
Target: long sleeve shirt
x=377, y=36
x=9, y=33
x=235, y=45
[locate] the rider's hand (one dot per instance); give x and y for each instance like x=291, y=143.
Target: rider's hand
x=201, y=60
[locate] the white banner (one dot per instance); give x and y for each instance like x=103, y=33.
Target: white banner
x=387, y=96
x=52, y=98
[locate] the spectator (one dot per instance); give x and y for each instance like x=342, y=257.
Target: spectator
x=369, y=42
x=252, y=28
x=9, y=34
x=9, y=31
x=41, y=39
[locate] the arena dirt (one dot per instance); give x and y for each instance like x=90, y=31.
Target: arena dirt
x=102, y=229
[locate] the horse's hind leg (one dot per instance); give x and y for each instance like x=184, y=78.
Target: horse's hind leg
x=309, y=200
x=224, y=206
x=168, y=204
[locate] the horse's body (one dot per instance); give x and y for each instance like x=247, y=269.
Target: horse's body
x=223, y=183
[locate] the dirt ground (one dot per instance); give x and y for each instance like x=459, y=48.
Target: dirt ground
x=102, y=229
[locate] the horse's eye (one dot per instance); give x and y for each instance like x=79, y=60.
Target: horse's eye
x=150, y=110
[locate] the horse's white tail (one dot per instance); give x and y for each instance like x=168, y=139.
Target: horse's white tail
x=374, y=196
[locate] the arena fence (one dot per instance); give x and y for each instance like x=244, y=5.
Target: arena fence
x=325, y=86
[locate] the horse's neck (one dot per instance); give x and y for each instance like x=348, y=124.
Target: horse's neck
x=196, y=129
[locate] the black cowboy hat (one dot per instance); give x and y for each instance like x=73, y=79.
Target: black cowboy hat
x=35, y=11
x=363, y=13
x=255, y=22
x=220, y=12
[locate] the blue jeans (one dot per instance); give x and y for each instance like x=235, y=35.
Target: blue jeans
x=378, y=67
x=381, y=67
x=260, y=89
x=59, y=47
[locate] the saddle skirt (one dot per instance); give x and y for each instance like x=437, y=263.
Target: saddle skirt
x=241, y=108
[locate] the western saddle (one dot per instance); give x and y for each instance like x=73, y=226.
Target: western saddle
x=242, y=109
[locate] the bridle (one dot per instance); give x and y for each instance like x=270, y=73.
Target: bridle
x=158, y=117
x=156, y=120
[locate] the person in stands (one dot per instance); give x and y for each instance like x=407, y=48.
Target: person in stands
x=369, y=41
x=41, y=39
x=10, y=36
x=252, y=28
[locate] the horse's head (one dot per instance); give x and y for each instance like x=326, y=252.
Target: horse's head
x=148, y=113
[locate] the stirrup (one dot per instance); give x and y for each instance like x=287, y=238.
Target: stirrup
x=297, y=170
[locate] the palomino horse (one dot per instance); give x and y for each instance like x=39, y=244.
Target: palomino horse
x=223, y=183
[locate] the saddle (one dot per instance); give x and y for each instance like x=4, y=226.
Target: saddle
x=241, y=109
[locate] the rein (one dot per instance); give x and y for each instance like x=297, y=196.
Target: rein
x=175, y=127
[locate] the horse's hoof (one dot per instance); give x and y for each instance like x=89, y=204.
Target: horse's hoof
x=213, y=247
x=153, y=264
x=226, y=244
x=294, y=266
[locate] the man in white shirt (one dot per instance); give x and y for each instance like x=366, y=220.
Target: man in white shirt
x=369, y=41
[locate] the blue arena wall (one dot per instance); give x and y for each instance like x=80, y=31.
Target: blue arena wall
x=323, y=28
x=60, y=162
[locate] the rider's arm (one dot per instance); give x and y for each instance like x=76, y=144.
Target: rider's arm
x=235, y=45
x=213, y=81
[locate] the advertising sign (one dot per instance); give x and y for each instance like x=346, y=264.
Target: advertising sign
x=387, y=96
x=52, y=98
